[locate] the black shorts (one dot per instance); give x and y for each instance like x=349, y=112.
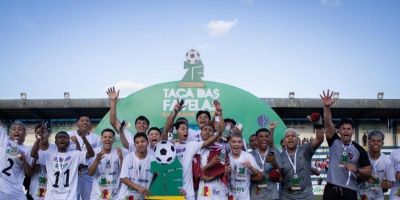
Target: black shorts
x=334, y=192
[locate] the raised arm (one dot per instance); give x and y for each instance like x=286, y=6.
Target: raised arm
x=41, y=134
x=113, y=97
x=316, y=119
x=319, y=139
x=218, y=117
x=272, y=127
x=170, y=121
x=90, y=152
x=328, y=101
x=211, y=139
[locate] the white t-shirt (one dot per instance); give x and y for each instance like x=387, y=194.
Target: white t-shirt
x=138, y=171
x=211, y=190
x=240, y=176
x=38, y=186
x=395, y=191
x=12, y=170
x=382, y=168
x=62, y=173
x=185, y=153
x=93, y=139
x=106, y=178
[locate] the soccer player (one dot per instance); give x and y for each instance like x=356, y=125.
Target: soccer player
x=348, y=160
x=84, y=129
x=242, y=168
x=268, y=160
x=382, y=177
x=105, y=168
x=38, y=183
x=14, y=162
x=62, y=166
x=141, y=122
x=185, y=149
x=213, y=181
x=296, y=165
x=135, y=174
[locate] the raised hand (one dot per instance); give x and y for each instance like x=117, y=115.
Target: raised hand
x=178, y=107
x=218, y=107
x=327, y=99
x=112, y=93
x=273, y=125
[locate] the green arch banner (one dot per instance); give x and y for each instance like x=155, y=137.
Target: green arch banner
x=156, y=103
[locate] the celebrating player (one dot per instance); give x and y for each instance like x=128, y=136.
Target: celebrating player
x=62, y=166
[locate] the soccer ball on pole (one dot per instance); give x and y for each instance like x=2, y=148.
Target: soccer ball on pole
x=192, y=56
x=164, y=152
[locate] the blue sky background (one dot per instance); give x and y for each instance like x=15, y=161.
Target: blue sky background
x=267, y=47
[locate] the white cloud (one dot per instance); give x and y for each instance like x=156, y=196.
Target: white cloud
x=220, y=27
x=331, y=2
x=127, y=86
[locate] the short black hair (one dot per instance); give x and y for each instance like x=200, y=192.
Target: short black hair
x=178, y=124
x=262, y=130
x=108, y=130
x=62, y=132
x=140, y=134
x=253, y=135
x=154, y=128
x=230, y=120
x=182, y=119
x=345, y=121
x=205, y=112
x=80, y=116
x=142, y=118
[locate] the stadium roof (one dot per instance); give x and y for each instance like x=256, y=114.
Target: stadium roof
x=285, y=108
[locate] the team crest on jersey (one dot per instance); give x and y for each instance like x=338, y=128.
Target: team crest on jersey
x=12, y=149
x=61, y=161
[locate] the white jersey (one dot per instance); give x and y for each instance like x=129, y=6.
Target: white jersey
x=38, y=185
x=62, y=173
x=12, y=170
x=395, y=191
x=138, y=171
x=240, y=176
x=382, y=169
x=185, y=153
x=106, y=178
x=93, y=139
x=214, y=189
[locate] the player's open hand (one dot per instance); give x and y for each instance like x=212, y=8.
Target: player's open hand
x=112, y=93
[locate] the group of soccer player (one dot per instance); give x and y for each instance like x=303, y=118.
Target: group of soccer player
x=84, y=165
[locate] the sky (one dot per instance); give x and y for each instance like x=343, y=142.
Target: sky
x=266, y=47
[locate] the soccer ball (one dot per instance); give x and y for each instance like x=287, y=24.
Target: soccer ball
x=164, y=152
x=192, y=56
